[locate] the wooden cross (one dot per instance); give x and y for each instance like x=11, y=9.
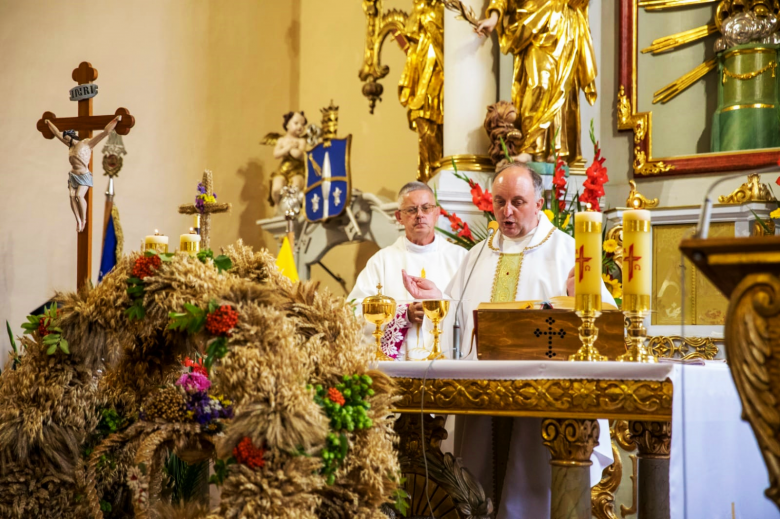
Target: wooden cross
x=208, y=210
x=85, y=123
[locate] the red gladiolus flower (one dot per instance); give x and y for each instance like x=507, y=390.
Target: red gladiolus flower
x=197, y=367
x=145, y=266
x=465, y=232
x=221, y=321
x=483, y=200
x=334, y=395
x=594, y=185
x=559, y=183
x=455, y=222
x=247, y=454
x=778, y=178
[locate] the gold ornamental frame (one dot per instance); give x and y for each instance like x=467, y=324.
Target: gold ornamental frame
x=644, y=164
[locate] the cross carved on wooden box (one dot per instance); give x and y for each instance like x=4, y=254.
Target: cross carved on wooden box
x=509, y=334
x=550, y=333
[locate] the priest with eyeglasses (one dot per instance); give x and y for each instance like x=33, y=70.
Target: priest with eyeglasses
x=420, y=252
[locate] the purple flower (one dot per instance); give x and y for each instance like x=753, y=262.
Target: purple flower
x=206, y=409
x=201, y=188
x=193, y=382
x=200, y=205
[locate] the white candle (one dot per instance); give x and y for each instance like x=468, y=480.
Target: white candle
x=189, y=243
x=587, y=260
x=156, y=241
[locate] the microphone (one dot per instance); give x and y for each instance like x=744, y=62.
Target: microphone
x=492, y=228
x=703, y=227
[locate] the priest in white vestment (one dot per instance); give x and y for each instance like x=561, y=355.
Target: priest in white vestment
x=527, y=259
x=419, y=251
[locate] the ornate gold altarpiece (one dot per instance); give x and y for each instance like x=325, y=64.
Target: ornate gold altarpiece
x=639, y=408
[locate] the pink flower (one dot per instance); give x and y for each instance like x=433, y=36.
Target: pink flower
x=193, y=382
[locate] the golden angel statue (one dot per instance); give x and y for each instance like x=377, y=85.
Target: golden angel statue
x=420, y=34
x=291, y=149
x=421, y=87
x=553, y=60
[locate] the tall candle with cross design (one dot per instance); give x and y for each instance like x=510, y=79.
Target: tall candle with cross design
x=587, y=282
x=587, y=260
x=637, y=283
x=637, y=260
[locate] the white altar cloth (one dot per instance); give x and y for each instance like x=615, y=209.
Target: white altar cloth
x=526, y=370
x=715, y=460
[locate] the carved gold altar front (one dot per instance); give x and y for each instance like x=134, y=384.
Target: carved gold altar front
x=553, y=398
x=640, y=411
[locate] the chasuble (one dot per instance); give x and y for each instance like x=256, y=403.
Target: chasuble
x=438, y=261
x=533, y=267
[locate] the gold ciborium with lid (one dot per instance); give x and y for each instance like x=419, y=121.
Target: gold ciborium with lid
x=379, y=310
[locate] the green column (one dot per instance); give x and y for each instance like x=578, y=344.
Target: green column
x=748, y=115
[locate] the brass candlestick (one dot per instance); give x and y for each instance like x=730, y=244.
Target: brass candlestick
x=635, y=307
x=436, y=311
x=588, y=308
x=379, y=310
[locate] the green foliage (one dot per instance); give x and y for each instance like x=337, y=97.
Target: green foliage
x=110, y=422
x=506, y=152
x=401, y=497
x=105, y=506
x=215, y=350
x=164, y=256
x=222, y=262
x=17, y=360
x=191, y=320
x=135, y=290
x=351, y=416
x=221, y=470
x=184, y=479
x=53, y=340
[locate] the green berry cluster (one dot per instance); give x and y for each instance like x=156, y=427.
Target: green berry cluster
x=346, y=405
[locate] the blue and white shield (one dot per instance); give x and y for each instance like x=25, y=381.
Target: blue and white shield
x=328, y=180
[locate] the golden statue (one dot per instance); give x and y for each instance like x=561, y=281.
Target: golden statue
x=421, y=87
x=554, y=59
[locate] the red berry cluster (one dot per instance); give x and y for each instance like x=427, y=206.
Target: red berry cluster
x=335, y=396
x=249, y=455
x=145, y=266
x=221, y=321
x=43, y=326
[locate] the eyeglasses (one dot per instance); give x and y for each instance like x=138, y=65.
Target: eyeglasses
x=412, y=211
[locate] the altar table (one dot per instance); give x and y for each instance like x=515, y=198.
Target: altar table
x=714, y=462
x=569, y=397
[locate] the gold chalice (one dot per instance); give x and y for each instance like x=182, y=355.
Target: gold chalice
x=436, y=310
x=379, y=310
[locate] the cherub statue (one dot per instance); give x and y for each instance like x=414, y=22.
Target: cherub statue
x=291, y=149
x=500, y=124
x=79, y=177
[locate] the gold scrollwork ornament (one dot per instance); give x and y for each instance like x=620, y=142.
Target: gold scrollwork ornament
x=751, y=191
x=637, y=200
x=653, y=439
x=675, y=346
x=640, y=124
x=570, y=441
x=602, y=495
x=753, y=350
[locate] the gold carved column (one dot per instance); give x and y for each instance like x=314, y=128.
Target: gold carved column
x=571, y=443
x=653, y=440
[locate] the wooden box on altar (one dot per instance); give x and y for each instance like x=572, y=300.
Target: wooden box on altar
x=512, y=334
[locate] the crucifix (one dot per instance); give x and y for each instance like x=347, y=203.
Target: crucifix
x=580, y=260
x=205, y=205
x=85, y=123
x=633, y=262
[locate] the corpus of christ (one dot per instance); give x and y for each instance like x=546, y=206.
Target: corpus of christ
x=457, y=259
